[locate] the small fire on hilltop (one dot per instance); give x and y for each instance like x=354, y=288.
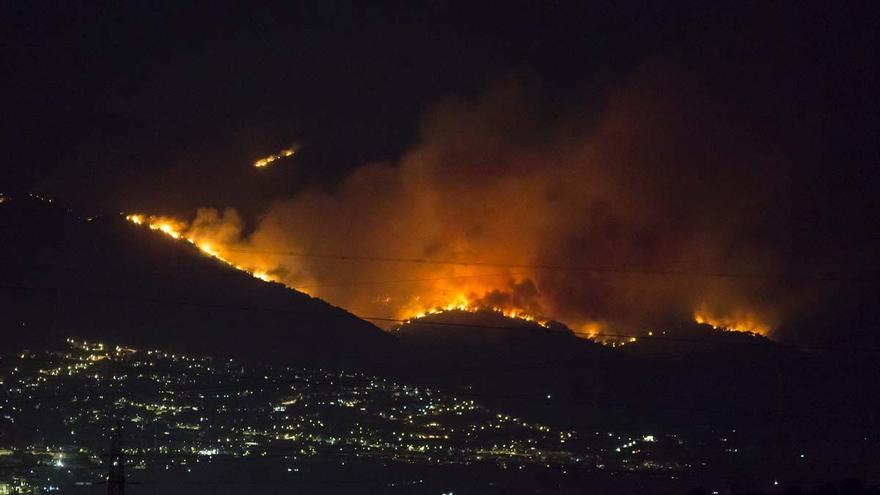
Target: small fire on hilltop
x=462, y=303
x=265, y=162
x=740, y=322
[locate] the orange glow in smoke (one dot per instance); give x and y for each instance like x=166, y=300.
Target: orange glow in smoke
x=448, y=287
x=460, y=302
x=179, y=230
x=419, y=306
x=738, y=321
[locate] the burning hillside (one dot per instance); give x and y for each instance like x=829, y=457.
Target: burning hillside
x=206, y=243
x=97, y=277
x=177, y=229
x=499, y=208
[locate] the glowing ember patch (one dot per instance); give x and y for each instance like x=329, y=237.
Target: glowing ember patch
x=590, y=330
x=736, y=322
x=167, y=229
x=462, y=303
x=265, y=162
x=135, y=219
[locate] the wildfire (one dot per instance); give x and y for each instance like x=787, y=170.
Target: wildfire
x=591, y=330
x=417, y=308
x=462, y=303
x=450, y=288
x=265, y=162
x=737, y=322
x=178, y=230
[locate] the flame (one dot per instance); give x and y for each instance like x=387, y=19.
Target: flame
x=737, y=321
x=179, y=230
x=460, y=302
x=168, y=227
x=418, y=307
x=457, y=288
x=265, y=162
x=591, y=330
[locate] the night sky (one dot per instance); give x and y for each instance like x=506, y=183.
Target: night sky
x=160, y=106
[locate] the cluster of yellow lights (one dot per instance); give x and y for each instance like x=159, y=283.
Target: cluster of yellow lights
x=264, y=162
x=177, y=230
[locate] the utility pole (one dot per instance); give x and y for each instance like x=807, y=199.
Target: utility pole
x=116, y=464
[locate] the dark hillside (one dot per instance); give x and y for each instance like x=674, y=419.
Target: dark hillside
x=103, y=278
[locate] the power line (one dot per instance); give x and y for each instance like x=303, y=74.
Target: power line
x=414, y=280
x=341, y=314
x=545, y=267
x=624, y=270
